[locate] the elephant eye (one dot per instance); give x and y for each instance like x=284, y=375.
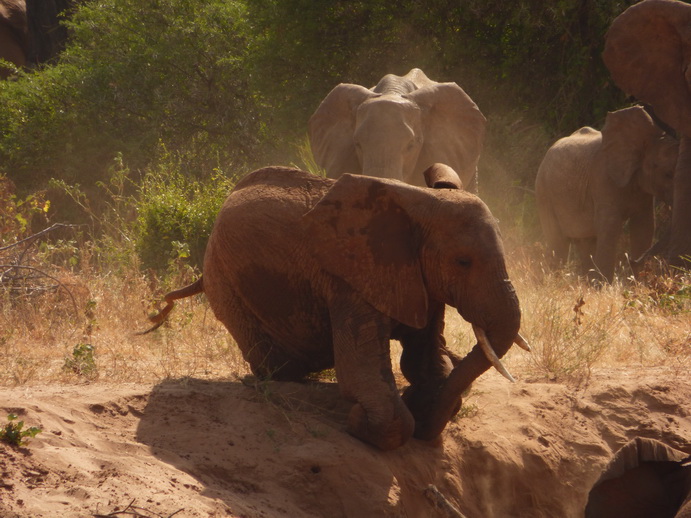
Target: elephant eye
x=465, y=262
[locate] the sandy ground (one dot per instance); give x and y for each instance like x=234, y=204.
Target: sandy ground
x=230, y=448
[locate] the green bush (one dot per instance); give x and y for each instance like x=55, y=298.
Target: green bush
x=176, y=214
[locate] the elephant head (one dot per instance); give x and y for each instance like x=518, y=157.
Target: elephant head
x=648, y=52
x=645, y=478
x=13, y=34
x=408, y=252
x=636, y=151
x=398, y=129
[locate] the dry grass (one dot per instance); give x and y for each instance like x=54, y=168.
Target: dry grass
x=38, y=336
x=572, y=327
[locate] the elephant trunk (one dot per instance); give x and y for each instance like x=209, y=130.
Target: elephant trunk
x=498, y=333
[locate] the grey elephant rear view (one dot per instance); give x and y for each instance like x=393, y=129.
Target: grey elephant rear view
x=592, y=182
x=397, y=129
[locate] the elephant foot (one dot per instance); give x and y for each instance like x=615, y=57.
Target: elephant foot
x=422, y=401
x=385, y=436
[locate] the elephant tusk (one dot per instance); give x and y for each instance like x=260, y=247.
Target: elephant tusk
x=490, y=354
x=522, y=343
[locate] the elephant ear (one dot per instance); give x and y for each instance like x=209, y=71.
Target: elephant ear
x=648, y=52
x=361, y=233
x=331, y=129
x=453, y=129
x=625, y=136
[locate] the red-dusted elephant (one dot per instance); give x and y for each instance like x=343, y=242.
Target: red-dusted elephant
x=309, y=273
x=645, y=479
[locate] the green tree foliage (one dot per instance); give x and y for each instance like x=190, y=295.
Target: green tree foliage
x=133, y=74
x=541, y=57
x=230, y=84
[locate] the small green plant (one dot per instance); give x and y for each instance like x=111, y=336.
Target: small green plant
x=467, y=410
x=15, y=434
x=82, y=361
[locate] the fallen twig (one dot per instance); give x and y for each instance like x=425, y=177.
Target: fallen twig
x=133, y=510
x=440, y=502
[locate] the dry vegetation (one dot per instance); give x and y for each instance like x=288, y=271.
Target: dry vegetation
x=573, y=328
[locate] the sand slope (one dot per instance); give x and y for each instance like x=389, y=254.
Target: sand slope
x=227, y=448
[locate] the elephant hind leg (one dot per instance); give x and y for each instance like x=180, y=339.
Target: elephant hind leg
x=265, y=355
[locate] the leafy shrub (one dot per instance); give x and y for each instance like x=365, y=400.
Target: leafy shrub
x=82, y=361
x=16, y=214
x=176, y=214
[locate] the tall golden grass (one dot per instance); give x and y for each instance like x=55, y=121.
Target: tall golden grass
x=572, y=326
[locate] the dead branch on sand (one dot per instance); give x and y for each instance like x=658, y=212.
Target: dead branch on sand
x=439, y=501
x=133, y=510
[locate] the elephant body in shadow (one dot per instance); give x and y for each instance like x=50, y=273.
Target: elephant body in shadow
x=397, y=129
x=648, y=53
x=645, y=479
x=591, y=183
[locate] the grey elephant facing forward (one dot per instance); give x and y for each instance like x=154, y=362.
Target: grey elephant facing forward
x=591, y=183
x=309, y=273
x=397, y=129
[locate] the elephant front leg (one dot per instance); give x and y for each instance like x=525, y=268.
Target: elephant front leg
x=426, y=364
x=363, y=369
x=642, y=229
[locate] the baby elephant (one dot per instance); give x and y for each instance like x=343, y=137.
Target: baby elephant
x=309, y=273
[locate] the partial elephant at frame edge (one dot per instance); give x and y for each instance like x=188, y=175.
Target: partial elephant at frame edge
x=645, y=478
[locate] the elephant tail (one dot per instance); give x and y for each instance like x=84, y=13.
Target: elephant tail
x=170, y=298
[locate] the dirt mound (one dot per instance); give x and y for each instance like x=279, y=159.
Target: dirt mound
x=219, y=448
